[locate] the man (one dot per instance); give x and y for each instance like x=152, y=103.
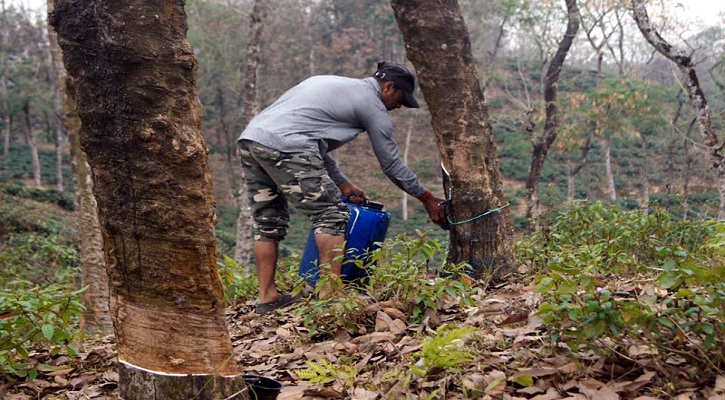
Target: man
x=285, y=154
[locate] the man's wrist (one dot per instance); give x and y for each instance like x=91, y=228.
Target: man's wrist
x=425, y=196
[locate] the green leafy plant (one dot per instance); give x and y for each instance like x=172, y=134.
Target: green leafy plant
x=39, y=258
x=31, y=316
x=238, y=284
x=445, y=351
x=682, y=314
x=323, y=371
x=400, y=271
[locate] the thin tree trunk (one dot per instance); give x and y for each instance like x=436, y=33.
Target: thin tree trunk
x=438, y=45
x=308, y=10
x=7, y=119
x=227, y=142
x=689, y=160
x=570, y=183
x=30, y=139
x=694, y=91
x=612, y=190
x=500, y=33
x=406, y=150
x=245, y=242
x=96, y=317
x=134, y=77
x=7, y=128
x=542, y=143
x=671, y=153
x=645, y=174
x=574, y=168
x=59, y=157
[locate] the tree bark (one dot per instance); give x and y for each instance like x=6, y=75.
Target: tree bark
x=671, y=152
x=245, y=242
x=7, y=119
x=697, y=96
x=32, y=143
x=645, y=174
x=96, y=317
x=439, y=47
x=135, y=82
x=611, y=188
x=406, y=150
x=687, y=175
x=59, y=185
x=7, y=128
x=542, y=142
x=54, y=116
x=573, y=168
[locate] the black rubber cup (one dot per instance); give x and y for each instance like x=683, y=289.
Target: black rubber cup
x=262, y=388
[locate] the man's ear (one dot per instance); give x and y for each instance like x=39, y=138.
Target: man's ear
x=388, y=85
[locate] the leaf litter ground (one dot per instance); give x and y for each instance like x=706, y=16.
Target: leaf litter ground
x=513, y=358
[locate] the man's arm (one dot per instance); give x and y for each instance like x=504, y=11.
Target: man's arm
x=332, y=168
x=353, y=193
x=380, y=131
x=379, y=127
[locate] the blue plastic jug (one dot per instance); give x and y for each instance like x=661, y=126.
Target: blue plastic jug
x=367, y=226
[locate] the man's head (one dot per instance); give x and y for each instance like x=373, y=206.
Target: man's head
x=398, y=85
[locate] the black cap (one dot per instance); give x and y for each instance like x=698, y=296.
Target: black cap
x=403, y=79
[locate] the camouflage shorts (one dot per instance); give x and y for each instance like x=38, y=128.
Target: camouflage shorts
x=275, y=178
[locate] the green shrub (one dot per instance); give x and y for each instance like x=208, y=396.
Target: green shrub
x=603, y=239
x=17, y=166
x=32, y=316
x=238, y=285
x=403, y=271
x=38, y=258
x=53, y=196
x=443, y=351
x=584, y=304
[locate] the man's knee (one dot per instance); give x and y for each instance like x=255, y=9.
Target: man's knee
x=267, y=234
x=332, y=220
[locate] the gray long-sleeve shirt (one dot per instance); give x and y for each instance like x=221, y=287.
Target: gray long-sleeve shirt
x=324, y=112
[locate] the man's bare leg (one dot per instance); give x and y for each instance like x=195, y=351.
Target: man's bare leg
x=266, y=261
x=326, y=246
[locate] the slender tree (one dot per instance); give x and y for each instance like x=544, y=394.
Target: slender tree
x=406, y=150
x=542, y=141
x=4, y=94
x=32, y=143
x=691, y=83
x=134, y=76
x=250, y=107
x=438, y=45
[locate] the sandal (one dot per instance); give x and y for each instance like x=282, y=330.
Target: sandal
x=283, y=300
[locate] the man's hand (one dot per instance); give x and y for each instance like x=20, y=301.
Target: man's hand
x=354, y=194
x=437, y=213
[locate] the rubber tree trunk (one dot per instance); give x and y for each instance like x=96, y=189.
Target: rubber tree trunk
x=134, y=74
x=611, y=188
x=5, y=102
x=33, y=144
x=438, y=45
x=96, y=317
x=644, y=170
x=245, y=241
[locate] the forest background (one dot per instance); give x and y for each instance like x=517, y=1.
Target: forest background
x=621, y=104
x=644, y=149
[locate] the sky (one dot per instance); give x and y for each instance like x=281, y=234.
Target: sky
x=710, y=12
